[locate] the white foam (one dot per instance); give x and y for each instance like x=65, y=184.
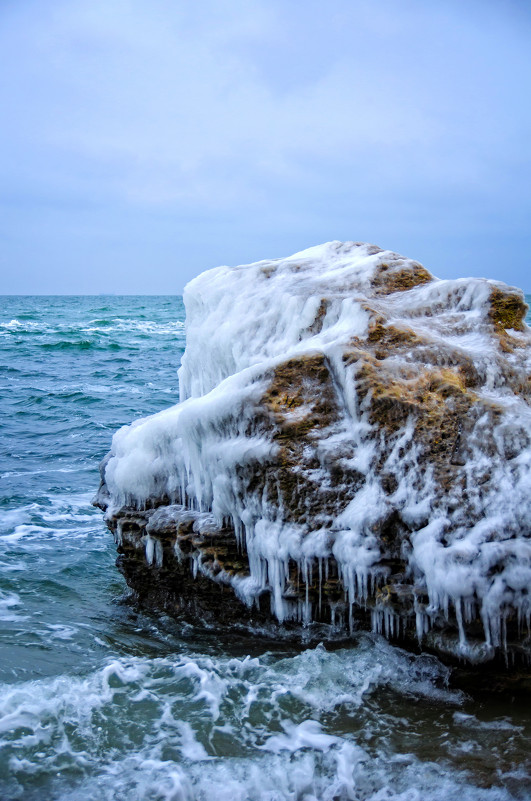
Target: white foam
x=9, y=603
x=199, y=727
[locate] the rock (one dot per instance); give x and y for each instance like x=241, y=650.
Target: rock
x=352, y=448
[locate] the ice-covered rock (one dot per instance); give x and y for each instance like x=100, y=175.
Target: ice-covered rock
x=353, y=445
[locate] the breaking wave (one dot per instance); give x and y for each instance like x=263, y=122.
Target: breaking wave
x=197, y=727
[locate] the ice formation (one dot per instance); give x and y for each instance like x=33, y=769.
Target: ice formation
x=361, y=429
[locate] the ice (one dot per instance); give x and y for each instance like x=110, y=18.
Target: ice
x=243, y=322
x=237, y=317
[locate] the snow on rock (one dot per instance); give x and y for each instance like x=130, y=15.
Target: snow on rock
x=361, y=430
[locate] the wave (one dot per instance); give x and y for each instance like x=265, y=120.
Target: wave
x=83, y=344
x=140, y=326
x=17, y=326
x=106, y=326
x=196, y=727
x=38, y=520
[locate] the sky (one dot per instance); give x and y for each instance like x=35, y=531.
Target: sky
x=144, y=141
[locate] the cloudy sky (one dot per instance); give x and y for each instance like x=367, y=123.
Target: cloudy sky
x=143, y=141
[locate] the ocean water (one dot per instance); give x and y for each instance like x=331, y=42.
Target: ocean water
x=99, y=700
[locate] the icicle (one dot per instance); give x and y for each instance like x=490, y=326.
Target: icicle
x=377, y=621
x=306, y=581
x=459, y=616
x=118, y=534
x=159, y=553
x=150, y=549
x=420, y=622
x=504, y=633
x=177, y=551
x=486, y=626
x=320, y=562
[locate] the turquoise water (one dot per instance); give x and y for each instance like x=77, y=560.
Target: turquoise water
x=101, y=701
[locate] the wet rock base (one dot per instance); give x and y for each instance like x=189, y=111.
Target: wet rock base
x=179, y=562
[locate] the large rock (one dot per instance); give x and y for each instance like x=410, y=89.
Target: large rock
x=352, y=446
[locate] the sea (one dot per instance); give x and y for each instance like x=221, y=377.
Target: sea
x=101, y=701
